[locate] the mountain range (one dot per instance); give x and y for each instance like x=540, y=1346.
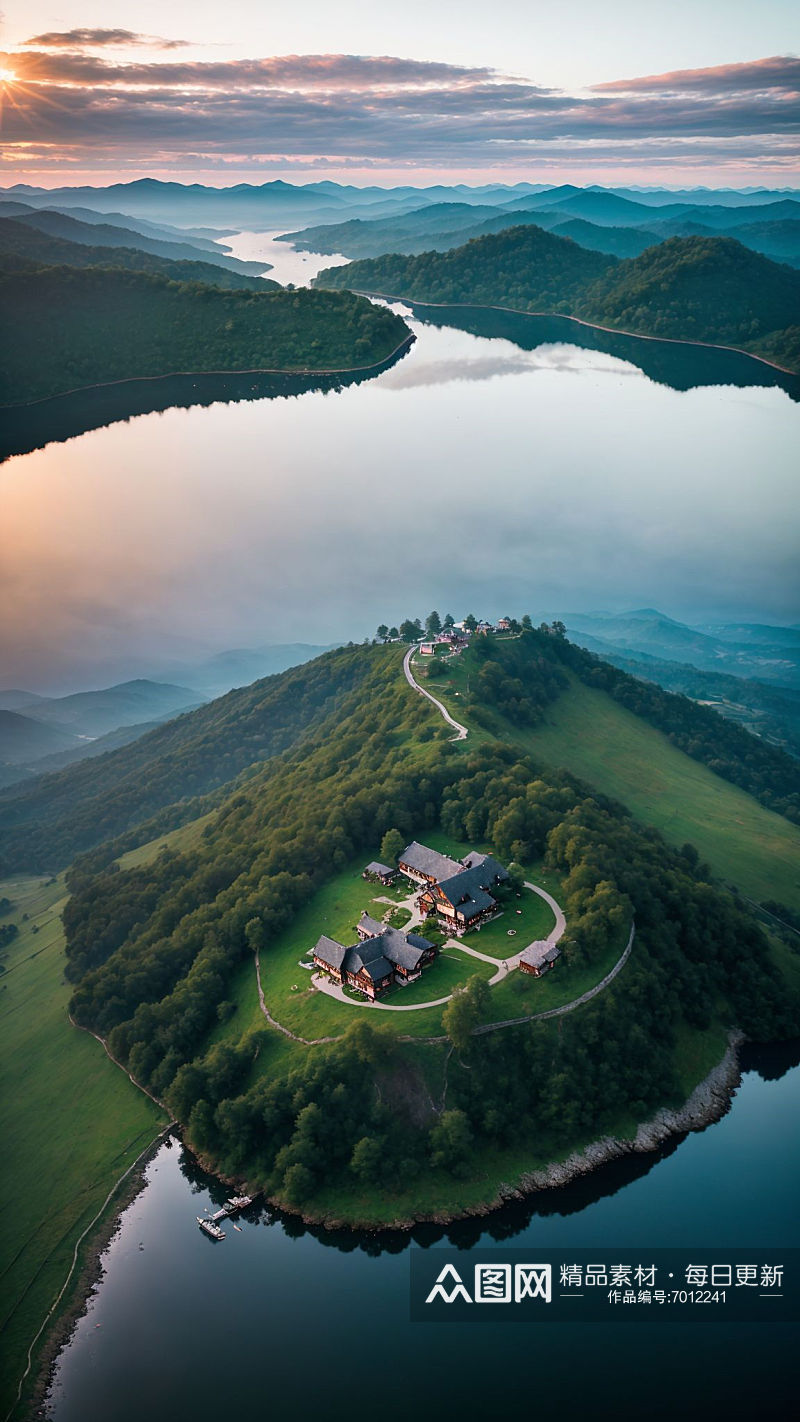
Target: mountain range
x=39, y=733
x=771, y=654
x=148, y=193
x=110, y=236
x=605, y=222
x=24, y=248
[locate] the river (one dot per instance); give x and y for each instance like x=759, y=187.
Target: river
x=283, y=1321
x=503, y=464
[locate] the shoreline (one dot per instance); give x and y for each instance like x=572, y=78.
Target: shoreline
x=89, y=1250
x=706, y=1104
x=304, y=371
x=578, y=320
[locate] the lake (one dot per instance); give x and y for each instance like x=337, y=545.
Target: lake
x=504, y=464
x=280, y=1320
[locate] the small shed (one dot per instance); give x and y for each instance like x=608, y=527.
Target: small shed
x=379, y=873
x=539, y=958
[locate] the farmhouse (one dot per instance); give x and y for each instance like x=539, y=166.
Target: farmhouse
x=539, y=958
x=382, y=956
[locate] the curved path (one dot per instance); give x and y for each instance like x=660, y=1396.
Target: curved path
x=508, y=965
x=551, y=1011
x=461, y=731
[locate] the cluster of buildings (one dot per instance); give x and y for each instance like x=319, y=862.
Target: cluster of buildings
x=457, y=637
x=382, y=956
x=457, y=892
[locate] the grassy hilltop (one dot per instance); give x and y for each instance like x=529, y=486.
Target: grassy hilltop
x=695, y=288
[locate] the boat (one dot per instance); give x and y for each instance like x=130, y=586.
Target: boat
x=208, y=1227
x=239, y=1202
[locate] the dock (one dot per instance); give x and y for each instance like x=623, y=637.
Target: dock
x=232, y=1206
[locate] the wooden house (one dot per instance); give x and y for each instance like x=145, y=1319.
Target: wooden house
x=459, y=902
x=539, y=958
x=382, y=956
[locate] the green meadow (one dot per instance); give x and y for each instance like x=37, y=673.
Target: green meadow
x=588, y=733
x=71, y=1122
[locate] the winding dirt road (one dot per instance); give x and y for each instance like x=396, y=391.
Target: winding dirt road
x=461, y=731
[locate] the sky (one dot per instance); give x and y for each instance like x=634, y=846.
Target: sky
x=693, y=92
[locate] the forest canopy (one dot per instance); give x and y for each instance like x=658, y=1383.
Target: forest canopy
x=709, y=289
x=76, y=327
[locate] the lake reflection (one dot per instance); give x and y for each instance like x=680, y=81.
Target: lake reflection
x=280, y=1320
x=475, y=474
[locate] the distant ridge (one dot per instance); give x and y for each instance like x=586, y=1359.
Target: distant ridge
x=705, y=289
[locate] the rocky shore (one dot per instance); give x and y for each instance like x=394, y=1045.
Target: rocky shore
x=710, y=1100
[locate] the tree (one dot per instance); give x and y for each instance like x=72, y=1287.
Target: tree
x=298, y=1182
x=471, y=622
x=255, y=934
x=451, y=1139
x=393, y=634
x=527, y=625
x=410, y=631
x=383, y=632
x=449, y=620
x=516, y=879
x=433, y=623
x=392, y=846
x=464, y=1012
x=367, y=1158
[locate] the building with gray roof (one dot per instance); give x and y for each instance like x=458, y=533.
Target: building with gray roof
x=426, y=866
x=378, y=960
x=539, y=958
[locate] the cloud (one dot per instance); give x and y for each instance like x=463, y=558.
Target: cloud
x=781, y=72
x=294, y=71
x=364, y=110
x=94, y=39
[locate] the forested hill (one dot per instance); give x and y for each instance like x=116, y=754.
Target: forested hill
x=513, y=685
x=47, y=822
x=44, y=823
x=119, y=325
x=523, y=267
x=709, y=289
x=160, y=955
x=23, y=248
x=703, y=288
